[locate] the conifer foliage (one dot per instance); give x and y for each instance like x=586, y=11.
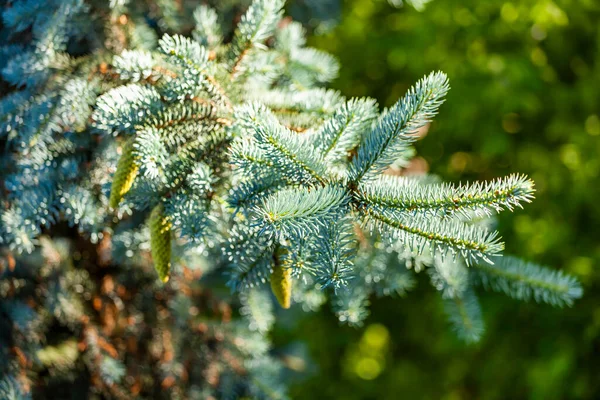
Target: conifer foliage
x=207, y=156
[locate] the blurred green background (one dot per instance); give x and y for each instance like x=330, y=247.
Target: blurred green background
x=525, y=97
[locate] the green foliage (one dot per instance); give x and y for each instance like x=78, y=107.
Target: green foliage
x=334, y=253
x=295, y=213
x=392, y=133
x=257, y=24
x=406, y=195
x=207, y=31
x=246, y=167
x=342, y=132
x=524, y=281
